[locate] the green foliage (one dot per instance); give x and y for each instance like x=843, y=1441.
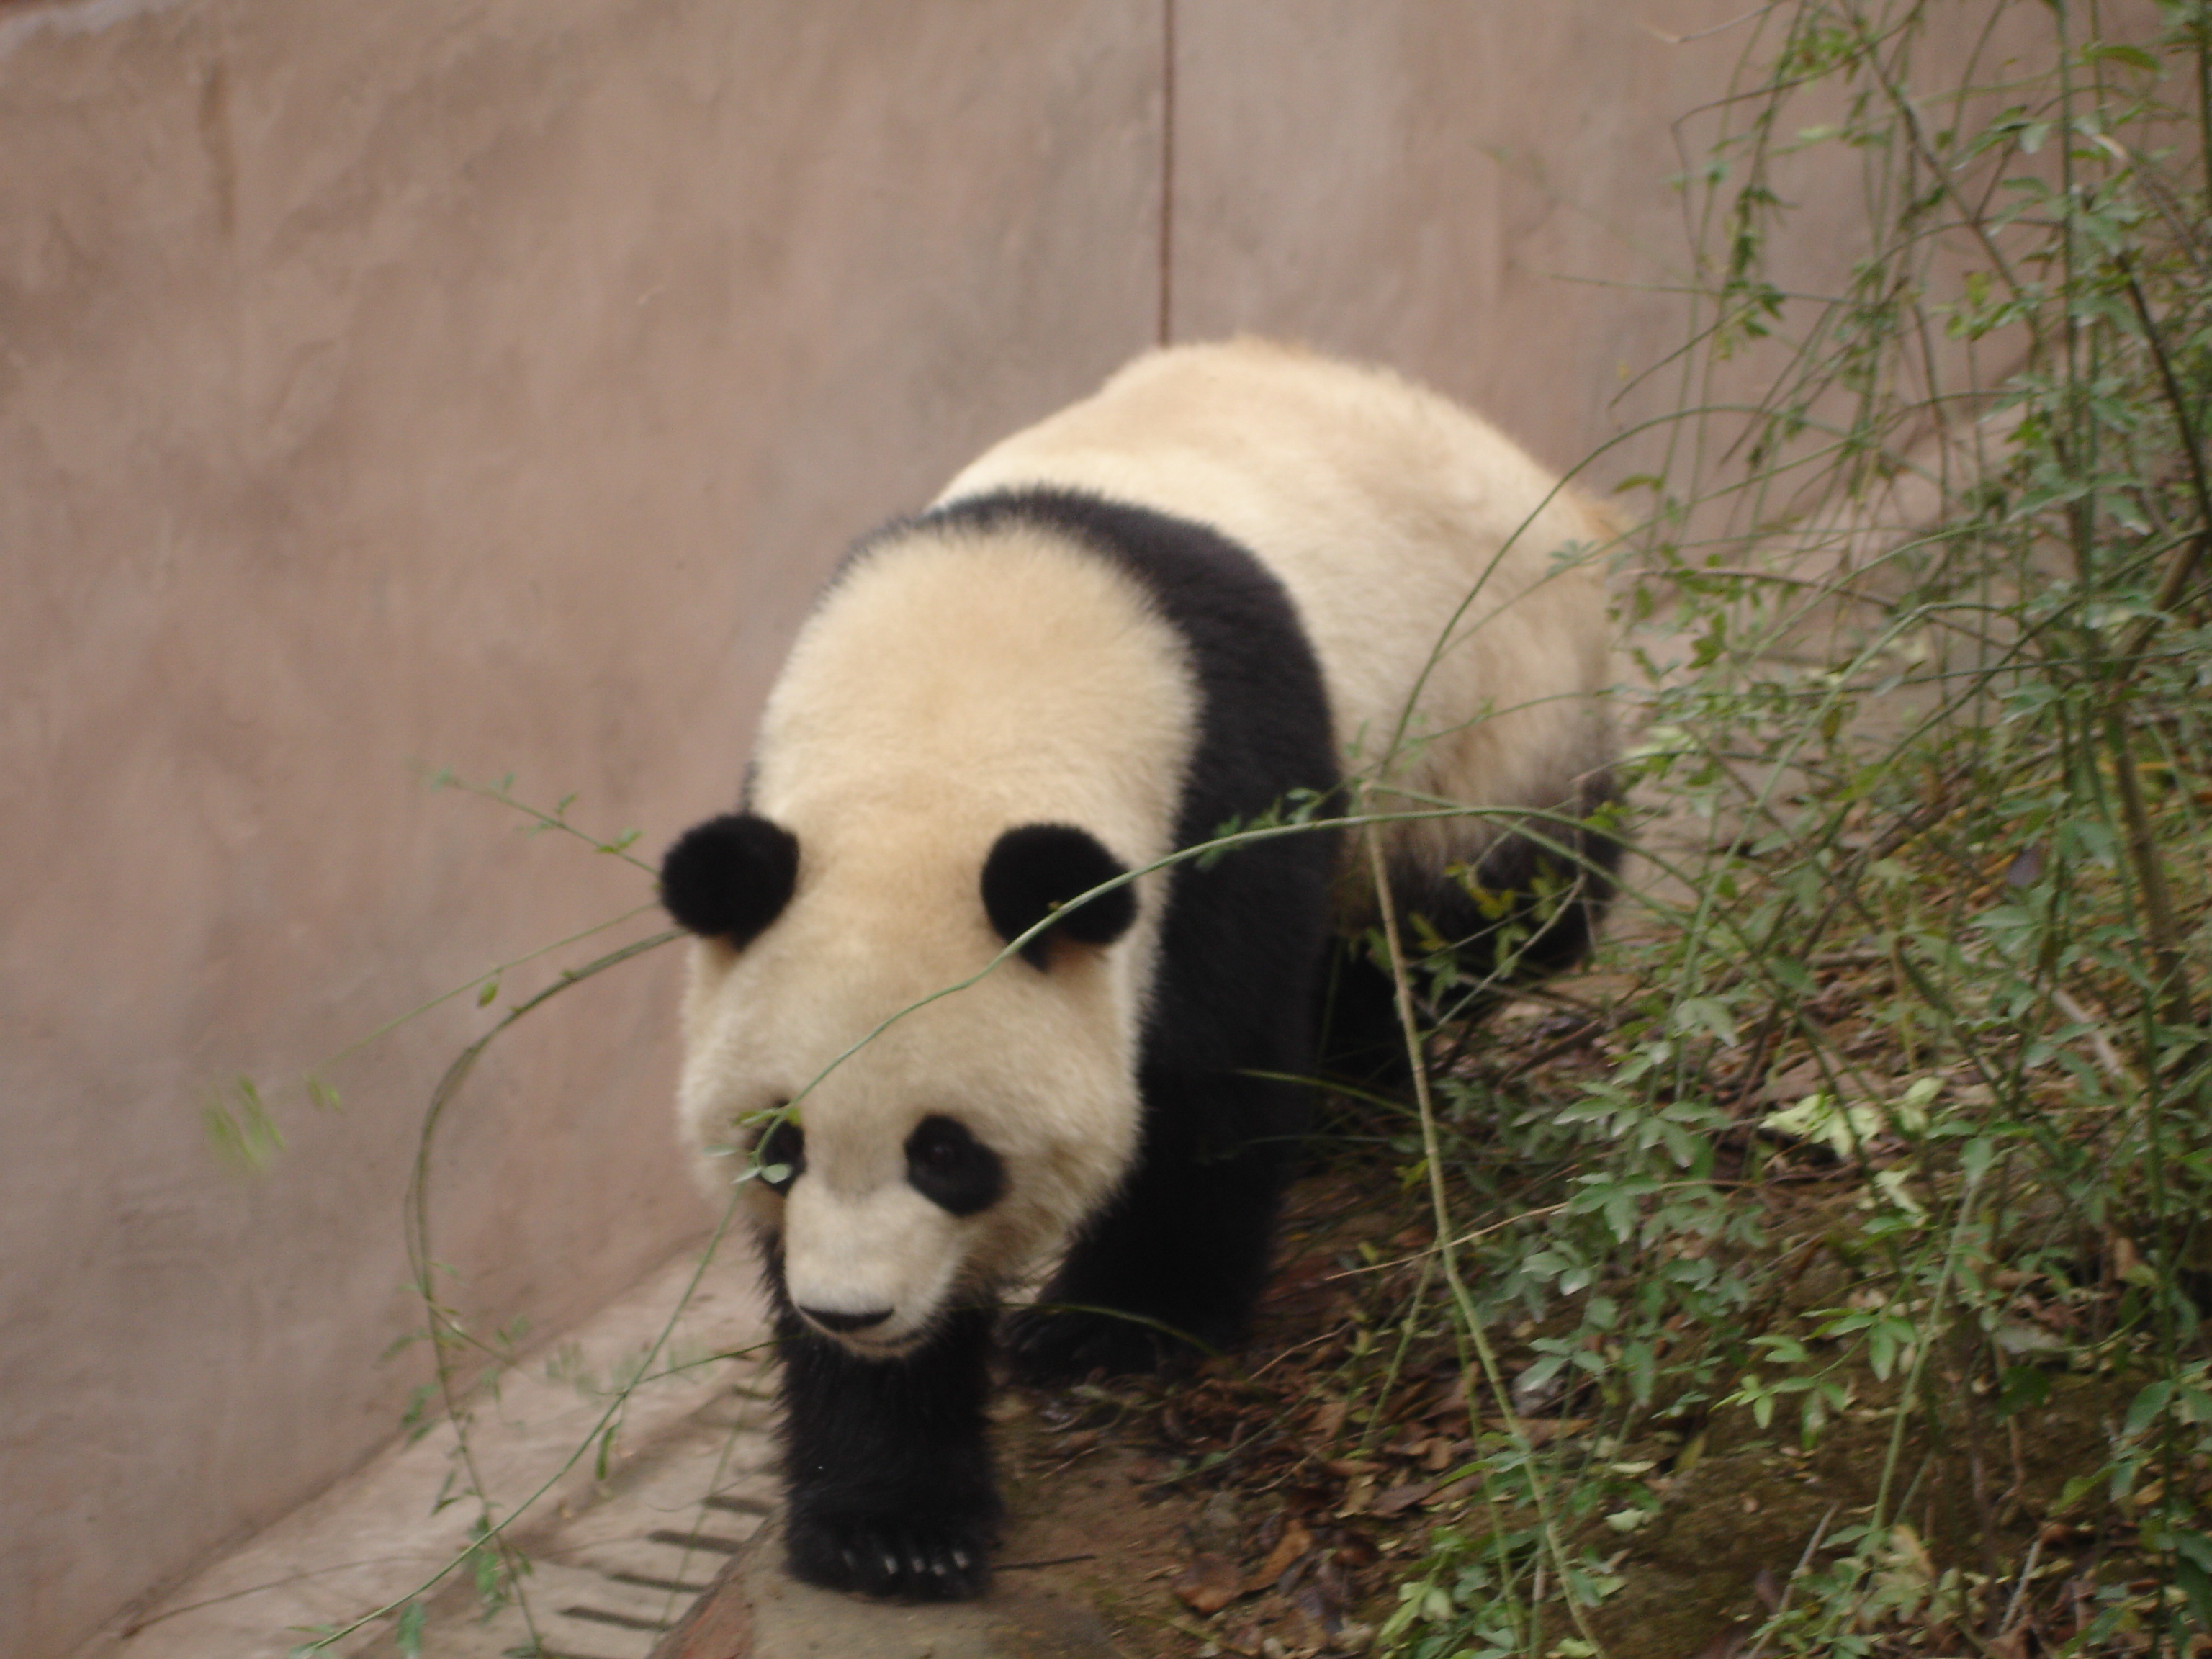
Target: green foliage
x=1921, y=606
x=241, y=1129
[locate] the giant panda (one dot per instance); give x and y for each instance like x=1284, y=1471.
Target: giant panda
x=1236, y=577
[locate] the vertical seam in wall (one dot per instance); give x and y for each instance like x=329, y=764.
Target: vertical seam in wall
x=1164, y=320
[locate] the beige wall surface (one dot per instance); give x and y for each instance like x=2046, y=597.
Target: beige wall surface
x=485, y=384
x=469, y=383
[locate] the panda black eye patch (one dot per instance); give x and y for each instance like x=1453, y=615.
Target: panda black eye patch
x=784, y=1147
x=951, y=1169
x=729, y=876
x=1036, y=867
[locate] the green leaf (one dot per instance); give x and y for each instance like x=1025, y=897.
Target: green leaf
x=2190, y=1572
x=1881, y=1350
x=2022, y=1388
x=2193, y=1547
x=2112, y=52
x=2147, y=1407
x=1708, y=1013
x=2076, y=1488
x=416, y=1420
x=240, y=1130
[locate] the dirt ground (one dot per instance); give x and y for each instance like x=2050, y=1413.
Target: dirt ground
x=1248, y=1509
x=1237, y=1514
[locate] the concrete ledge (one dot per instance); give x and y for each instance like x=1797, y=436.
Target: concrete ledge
x=756, y=1610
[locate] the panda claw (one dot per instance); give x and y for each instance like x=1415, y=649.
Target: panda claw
x=911, y=1562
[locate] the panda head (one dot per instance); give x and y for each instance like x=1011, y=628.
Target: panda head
x=909, y=1165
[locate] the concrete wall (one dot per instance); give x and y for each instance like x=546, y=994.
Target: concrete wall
x=451, y=384
x=485, y=384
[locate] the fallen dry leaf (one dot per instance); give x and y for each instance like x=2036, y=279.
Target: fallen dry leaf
x=1209, y=1584
x=1294, y=1541
x=1452, y=1404
x=1401, y=1498
x=1787, y=1087
x=1310, y=1624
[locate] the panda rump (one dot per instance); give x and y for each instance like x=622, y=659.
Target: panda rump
x=1201, y=597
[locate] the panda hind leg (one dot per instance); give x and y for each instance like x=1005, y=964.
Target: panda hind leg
x=890, y=1490
x=1537, y=900
x=1170, y=1273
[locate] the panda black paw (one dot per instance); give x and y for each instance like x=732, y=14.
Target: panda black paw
x=1047, y=1344
x=904, y=1560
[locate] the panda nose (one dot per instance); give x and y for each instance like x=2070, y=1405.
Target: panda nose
x=845, y=1323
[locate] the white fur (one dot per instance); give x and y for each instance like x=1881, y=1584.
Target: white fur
x=945, y=691
x=1028, y=683
x=1381, y=507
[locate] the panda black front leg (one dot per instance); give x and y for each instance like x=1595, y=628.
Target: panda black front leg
x=887, y=1468
x=1183, y=1251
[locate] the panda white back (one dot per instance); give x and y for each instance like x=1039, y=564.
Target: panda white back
x=1404, y=528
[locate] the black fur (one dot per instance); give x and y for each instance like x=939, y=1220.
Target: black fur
x=1530, y=909
x=834, y=1319
x=783, y=1147
x=729, y=876
x=951, y=1169
x=886, y=1462
x=1183, y=1247
x=1538, y=895
x=1034, y=869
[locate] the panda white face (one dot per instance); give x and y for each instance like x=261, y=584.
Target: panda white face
x=949, y=1150
x=971, y=732
x=872, y=1269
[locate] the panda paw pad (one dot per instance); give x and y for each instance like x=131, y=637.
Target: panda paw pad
x=902, y=1560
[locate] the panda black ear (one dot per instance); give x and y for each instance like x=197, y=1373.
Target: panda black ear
x=1039, y=866
x=729, y=876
